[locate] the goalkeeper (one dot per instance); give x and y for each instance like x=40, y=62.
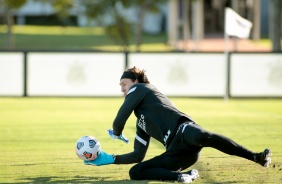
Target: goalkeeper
x=183, y=138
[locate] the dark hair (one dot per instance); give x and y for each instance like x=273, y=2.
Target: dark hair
x=139, y=75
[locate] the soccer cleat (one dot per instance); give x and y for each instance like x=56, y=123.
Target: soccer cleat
x=263, y=158
x=188, y=177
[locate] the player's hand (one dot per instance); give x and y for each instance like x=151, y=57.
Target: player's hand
x=102, y=159
x=120, y=137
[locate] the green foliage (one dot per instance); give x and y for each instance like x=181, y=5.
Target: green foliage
x=62, y=7
x=119, y=28
x=14, y=4
x=38, y=135
x=108, y=14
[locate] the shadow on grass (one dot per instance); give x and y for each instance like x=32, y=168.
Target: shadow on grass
x=79, y=179
x=77, y=42
x=75, y=179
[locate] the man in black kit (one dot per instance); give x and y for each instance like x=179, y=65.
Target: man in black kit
x=158, y=118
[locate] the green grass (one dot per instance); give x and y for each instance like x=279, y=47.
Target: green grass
x=80, y=38
x=70, y=38
x=38, y=135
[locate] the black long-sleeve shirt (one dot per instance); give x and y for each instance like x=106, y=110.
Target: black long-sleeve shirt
x=156, y=115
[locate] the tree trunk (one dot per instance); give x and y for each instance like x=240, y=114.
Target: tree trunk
x=139, y=31
x=121, y=28
x=10, y=23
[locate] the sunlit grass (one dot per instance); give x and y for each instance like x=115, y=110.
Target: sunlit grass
x=146, y=47
x=92, y=38
x=38, y=135
x=75, y=38
x=265, y=42
x=54, y=30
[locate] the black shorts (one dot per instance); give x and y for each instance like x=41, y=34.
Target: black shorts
x=178, y=156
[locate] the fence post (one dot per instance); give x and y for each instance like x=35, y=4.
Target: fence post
x=25, y=74
x=126, y=59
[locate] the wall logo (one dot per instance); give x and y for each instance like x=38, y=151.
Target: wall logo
x=76, y=74
x=275, y=74
x=177, y=74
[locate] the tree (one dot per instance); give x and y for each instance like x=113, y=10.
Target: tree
x=119, y=28
x=144, y=6
x=108, y=14
x=9, y=6
x=62, y=9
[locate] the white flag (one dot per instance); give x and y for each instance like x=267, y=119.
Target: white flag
x=235, y=25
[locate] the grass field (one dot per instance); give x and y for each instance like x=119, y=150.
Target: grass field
x=38, y=135
x=74, y=38
x=80, y=38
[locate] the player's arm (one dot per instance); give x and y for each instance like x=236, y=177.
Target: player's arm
x=133, y=98
x=141, y=144
x=134, y=157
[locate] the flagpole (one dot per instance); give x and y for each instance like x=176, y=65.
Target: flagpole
x=234, y=25
x=226, y=53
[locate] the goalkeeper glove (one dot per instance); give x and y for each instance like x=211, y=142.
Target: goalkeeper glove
x=120, y=137
x=102, y=159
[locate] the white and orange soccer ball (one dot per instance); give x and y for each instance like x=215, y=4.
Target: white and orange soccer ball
x=87, y=148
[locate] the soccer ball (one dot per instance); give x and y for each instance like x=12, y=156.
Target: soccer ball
x=87, y=148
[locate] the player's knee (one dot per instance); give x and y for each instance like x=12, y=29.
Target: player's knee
x=134, y=172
